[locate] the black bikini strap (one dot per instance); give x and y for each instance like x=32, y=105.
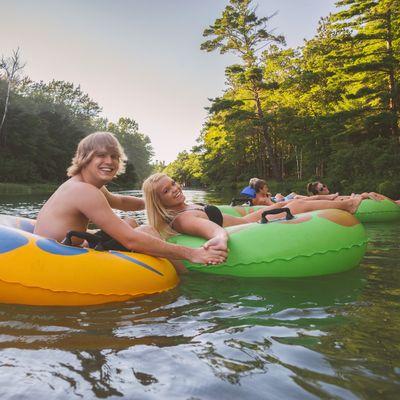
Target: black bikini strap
x=214, y=214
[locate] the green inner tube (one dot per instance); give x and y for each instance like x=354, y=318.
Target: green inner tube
x=368, y=211
x=238, y=211
x=378, y=211
x=316, y=243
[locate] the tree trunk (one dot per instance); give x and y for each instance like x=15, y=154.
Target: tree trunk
x=299, y=163
x=393, y=87
x=3, y=119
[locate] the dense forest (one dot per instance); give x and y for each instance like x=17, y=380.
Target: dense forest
x=42, y=124
x=328, y=110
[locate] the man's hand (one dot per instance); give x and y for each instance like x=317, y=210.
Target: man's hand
x=217, y=243
x=208, y=256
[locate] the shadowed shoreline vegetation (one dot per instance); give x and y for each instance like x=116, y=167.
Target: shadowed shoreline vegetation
x=16, y=189
x=43, y=125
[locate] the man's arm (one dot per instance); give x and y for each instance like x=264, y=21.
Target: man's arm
x=94, y=206
x=122, y=202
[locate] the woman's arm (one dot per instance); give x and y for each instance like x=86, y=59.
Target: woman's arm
x=191, y=223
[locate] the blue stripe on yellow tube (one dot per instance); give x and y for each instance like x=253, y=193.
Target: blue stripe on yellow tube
x=51, y=246
x=26, y=226
x=11, y=240
x=131, y=259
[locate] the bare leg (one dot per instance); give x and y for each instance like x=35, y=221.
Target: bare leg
x=378, y=196
x=178, y=265
x=297, y=207
x=334, y=196
x=300, y=206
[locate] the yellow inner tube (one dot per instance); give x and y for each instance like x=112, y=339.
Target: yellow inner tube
x=39, y=271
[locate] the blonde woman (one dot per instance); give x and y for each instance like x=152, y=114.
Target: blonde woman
x=168, y=212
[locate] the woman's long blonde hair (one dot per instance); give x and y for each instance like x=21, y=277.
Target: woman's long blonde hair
x=157, y=215
x=87, y=148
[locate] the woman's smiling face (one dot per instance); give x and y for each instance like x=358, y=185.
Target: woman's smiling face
x=169, y=192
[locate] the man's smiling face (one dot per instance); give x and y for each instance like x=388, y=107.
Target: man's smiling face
x=102, y=168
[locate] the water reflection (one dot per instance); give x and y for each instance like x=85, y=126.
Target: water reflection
x=230, y=331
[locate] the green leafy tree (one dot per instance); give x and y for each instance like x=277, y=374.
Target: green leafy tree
x=159, y=166
x=61, y=97
x=186, y=169
x=372, y=60
x=241, y=32
x=137, y=146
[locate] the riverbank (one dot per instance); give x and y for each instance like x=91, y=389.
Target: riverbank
x=13, y=189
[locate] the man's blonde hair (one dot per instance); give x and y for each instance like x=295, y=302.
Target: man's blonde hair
x=89, y=145
x=158, y=216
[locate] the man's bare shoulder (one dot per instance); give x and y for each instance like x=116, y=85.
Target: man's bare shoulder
x=76, y=194
x=73, y=186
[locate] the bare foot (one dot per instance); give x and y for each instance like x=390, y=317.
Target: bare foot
x=376, y=196
x=354, y=203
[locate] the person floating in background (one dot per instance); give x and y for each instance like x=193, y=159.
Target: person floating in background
x=259, y=193
x=249, y=191
x=318, y=190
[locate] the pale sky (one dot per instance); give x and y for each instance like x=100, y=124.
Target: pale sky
x=140, y=58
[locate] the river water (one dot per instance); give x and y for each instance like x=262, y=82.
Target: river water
x=333, y=337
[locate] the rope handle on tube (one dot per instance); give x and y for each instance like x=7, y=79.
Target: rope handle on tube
x=264, y=220
x=93, y=240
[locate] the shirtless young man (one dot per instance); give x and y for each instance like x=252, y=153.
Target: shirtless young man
x=83, y=198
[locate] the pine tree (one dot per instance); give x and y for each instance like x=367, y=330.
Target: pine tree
x=241, y=32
